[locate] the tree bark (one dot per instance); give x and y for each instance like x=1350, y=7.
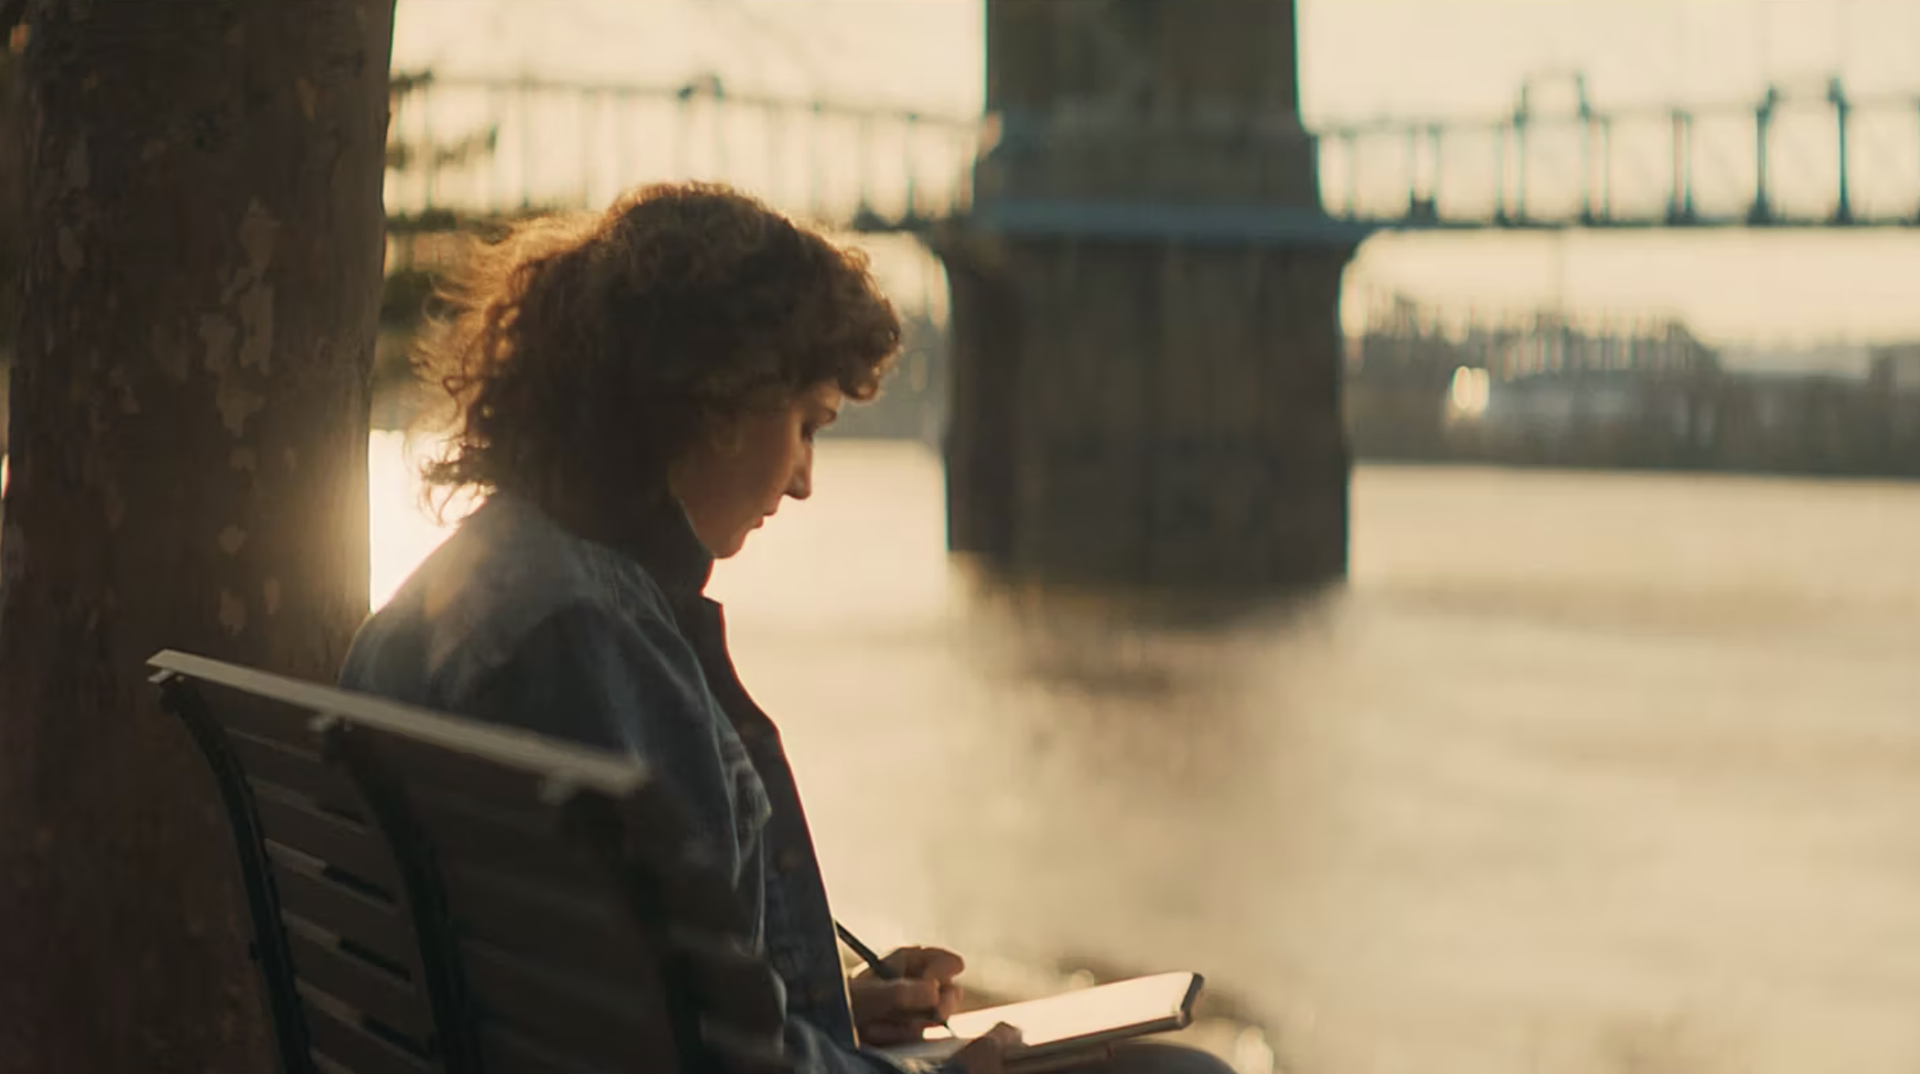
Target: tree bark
x=13, y=174
x=190, y=411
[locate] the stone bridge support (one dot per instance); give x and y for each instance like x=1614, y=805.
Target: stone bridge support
x=1146, y=306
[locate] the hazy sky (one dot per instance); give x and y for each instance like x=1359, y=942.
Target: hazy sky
x=1450, y=58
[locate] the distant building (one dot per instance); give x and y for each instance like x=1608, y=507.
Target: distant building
x=1846, y=361
x=1547, y=388
x=1896, y=369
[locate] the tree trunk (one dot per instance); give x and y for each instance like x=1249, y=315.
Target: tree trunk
x=13, y=174
x=202, y=278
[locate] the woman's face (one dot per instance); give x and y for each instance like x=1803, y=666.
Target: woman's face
x=732, y=482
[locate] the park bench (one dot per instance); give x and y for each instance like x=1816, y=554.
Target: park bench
x=434, y=894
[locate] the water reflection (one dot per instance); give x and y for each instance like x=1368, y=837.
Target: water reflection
x=1581, y=773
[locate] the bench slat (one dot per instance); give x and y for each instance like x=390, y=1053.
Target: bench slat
x=342, y=843
x=463, y=775
x=371, y=923
x=270, y=764
x=474, y=833
x=625, y=1026
x=514, y=843
x=375, y=991
x=731, y=984
x=699, y=897
x=566, y=928
x=353, y=1048
x=506, y=1052
x=260, y=717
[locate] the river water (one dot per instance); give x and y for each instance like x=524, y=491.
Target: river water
x=1581, y=773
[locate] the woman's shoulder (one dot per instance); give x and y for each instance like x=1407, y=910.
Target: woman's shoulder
x=503, y=574
x=510, y=552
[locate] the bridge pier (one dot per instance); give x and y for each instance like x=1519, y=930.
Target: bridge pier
x=1146, y=306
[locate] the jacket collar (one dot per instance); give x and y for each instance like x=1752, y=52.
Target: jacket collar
x=664, y=543
x=659, y=537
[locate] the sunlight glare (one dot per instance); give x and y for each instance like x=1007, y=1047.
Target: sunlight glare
x=402, y=529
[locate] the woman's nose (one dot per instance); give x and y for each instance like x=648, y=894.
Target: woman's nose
x=801, y=486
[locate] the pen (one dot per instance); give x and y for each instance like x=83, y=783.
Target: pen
x=875, y=962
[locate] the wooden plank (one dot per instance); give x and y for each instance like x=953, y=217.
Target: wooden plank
x=376, y=924
x=278, y=766
x=353, y=1048
x=691, y=890
x=506, y=840
x=574, y=930
x=342, y=843
x=506, y=1052
x=624, y=1027
x=533, y=847
x=695, y=894
x=261, y=717
x=732, y=984
x=430, y=764
x=379, y=993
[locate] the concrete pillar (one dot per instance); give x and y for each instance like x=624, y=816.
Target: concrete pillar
x=1146, y=305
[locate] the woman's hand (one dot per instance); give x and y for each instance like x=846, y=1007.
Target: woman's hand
x=987, y=1054
x=898, y=1011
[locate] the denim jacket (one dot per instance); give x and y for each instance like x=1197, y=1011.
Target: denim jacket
x=516, y=620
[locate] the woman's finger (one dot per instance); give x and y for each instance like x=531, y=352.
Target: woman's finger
x=987, y=1054
x=935, y=962
x=877, y=998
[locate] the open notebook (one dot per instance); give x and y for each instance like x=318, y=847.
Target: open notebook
x=1070, y=1023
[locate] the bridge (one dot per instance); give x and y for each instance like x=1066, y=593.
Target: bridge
x=1144, y=245
x=470, y=148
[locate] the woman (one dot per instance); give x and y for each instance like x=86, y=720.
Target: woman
x=635, y=393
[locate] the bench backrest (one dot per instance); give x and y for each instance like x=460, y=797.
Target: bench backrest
x=435, y=894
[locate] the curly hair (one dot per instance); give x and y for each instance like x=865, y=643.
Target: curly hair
x=584, y=354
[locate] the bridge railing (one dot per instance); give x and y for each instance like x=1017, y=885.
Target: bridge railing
x=1818, y=159
x=483, y=147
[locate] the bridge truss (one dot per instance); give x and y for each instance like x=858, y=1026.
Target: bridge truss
x=480, y=148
